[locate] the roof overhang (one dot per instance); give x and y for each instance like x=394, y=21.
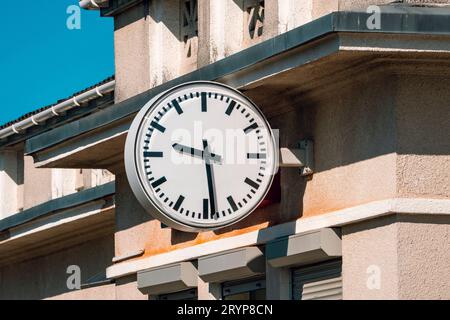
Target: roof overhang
x=299, y=66
x=58, y=224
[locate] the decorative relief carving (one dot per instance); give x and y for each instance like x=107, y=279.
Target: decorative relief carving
x=189, y=27
x=255, y=18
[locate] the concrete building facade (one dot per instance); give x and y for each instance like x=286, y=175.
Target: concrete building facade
x=366, y=81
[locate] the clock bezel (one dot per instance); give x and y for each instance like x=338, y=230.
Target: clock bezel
x=135, y=179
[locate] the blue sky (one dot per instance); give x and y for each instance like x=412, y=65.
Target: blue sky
x=41, y=60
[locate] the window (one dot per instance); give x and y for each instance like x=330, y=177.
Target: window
x=321, y=281
x=244, y=290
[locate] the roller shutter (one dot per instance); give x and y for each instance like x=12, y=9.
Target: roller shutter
x=318, y=282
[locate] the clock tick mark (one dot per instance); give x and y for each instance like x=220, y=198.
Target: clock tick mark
x=205, y=209
x=231, y=107
x=153, y=154
x=177, y=106
x=251, y=128
x=232, y=203
x=179, y=203
x=158, y=127
x=204, y=102
x=251, y=183
x=256, y=156
x=159, y=182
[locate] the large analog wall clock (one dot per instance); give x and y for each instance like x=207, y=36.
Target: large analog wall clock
x=200, y=156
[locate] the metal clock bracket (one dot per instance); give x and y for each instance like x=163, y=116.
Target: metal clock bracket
x=302, y=157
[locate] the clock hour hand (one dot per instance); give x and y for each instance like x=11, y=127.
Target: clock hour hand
x=197, y=153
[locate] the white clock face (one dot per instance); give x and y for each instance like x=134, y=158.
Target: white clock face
x=202, y=155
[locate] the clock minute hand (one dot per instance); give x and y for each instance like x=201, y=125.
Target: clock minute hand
x=197, y=153
x=210, y=178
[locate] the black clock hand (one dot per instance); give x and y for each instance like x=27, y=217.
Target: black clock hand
x=196, y=153
x=210, y=178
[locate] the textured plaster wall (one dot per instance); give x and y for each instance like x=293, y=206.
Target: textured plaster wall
x=423, y=122
x=41, y=185
x=372, y=244
x=46, y=277
x=37, y=184
x=131, y=49
x=215, y=17
x=354, y=137
x=424, y=257
x=149, y=41
x=9, y=183
x=104, y=292
x=126, y=289
x=408, y=254
x=149, y=49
